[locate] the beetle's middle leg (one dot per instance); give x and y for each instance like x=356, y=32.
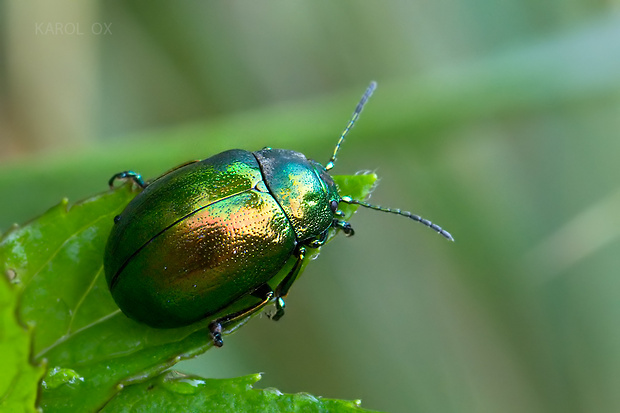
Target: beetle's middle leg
x=300, y=252
x=285, y=284
x=264, y=292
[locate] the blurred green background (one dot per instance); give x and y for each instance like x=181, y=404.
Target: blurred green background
x=497, y=120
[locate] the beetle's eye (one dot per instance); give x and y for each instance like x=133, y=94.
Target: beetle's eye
x=334, y=206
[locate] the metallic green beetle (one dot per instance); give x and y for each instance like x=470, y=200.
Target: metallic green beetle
x=209, y=233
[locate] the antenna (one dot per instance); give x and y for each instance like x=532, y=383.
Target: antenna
x=407, y=214
x=358, y=109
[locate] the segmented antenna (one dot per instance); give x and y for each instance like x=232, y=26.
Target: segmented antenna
x=407, y=214
x=358, y=109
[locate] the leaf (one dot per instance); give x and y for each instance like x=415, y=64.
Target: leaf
x=175, y=392
x=19, y=381
x=92, y=349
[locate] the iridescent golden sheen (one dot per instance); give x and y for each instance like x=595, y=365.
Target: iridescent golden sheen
x=207, y=260
x=175, y=195
x=204, y=235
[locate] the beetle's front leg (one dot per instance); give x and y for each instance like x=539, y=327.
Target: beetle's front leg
x=345, y=227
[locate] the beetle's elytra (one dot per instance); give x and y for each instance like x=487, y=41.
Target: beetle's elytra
x=209, y=233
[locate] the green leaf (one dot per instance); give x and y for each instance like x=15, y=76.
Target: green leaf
x=92, y=349
x=19, y=381
x=175, y=392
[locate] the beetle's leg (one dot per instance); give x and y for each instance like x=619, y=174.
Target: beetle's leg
x=127, y=175
x=137, y=178
x=345, y=227
x=264, y=292
x=317, y=242
x=285, y=284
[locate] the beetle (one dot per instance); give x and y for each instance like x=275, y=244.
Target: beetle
x=207, y=234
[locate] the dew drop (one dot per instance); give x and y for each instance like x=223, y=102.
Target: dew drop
x=181, y=383
x=58, y=376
